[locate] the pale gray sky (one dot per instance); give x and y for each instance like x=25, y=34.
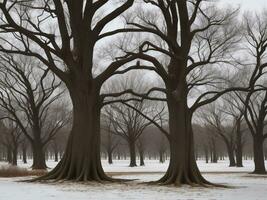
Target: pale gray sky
x=247, y=5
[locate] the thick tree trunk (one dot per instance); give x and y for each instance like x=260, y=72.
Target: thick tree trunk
x=258, y=155
x=131, y=144
x=82, y=160
x=182, y=167
x=38, y=156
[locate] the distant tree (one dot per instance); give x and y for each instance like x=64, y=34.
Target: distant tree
x=10, y=137
x=26, y=97
x=255, y=100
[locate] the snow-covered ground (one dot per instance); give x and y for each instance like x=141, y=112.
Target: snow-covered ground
x=155, y=166
x=245, y=186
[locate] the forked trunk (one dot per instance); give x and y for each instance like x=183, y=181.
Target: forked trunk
x=81, y=161
x=258, y=155
x=182, y=167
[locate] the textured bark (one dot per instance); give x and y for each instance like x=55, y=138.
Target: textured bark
x=81, y=161
x=38, y=156
x=258, y=155
x=182, y=168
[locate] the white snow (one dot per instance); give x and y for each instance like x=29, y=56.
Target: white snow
x=245, y=186
x=155, y=166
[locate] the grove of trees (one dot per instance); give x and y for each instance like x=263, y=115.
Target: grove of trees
x=180, y=80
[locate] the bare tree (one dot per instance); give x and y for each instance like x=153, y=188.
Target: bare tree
x=77, y=28
x=26, y=97
x=109, y=140
x=220, y=124
x=255, y=100
x=235, y=109
x=193, y=38
x=11, y=138
x=129, y=124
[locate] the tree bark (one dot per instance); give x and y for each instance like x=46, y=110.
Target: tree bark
x=38, y=156
x=258, y=155
x=132, y=153
x=182, y=167
x=81, y=160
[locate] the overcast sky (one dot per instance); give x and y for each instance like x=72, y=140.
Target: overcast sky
x=253, y=5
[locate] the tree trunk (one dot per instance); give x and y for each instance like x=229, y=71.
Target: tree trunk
x=239, y=146
x=24, y=155
x=214, y=156
x=38, y=156
x=206, y=152
x=161, y=156
x=141, y=154
x=9, y=155
x=110, y=161
x=258, y=155
x=15, y=156
x=182, y=167
x=132, y=153
x=56, y=154
x=81, y=160
x=231, y=156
